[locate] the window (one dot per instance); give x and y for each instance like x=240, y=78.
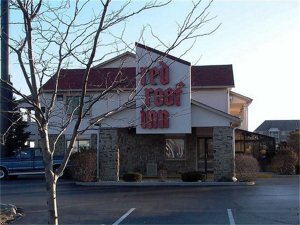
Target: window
x=28, y=114
x=38, y=152
x=73, y=104
x=24, y=154
x=174, y=148
x=80, y=145
x=24, y=114
x=32, y=115
x=30, y=144
x=274, y=132
x=59, y=97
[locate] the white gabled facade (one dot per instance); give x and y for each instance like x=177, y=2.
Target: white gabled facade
x=209, y=106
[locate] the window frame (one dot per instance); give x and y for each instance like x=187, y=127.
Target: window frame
x=72, y=111
x=182, y=138
x=77, y=146
x=60, y=97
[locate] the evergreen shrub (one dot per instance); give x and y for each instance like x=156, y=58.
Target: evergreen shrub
x=192, y=176
x=132, y=177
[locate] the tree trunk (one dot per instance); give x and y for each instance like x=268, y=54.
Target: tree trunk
x=51, y=182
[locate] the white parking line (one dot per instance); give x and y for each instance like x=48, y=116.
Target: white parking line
x=123, y=217
x=230, y=216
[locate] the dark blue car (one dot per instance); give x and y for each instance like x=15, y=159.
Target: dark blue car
x=26, y=161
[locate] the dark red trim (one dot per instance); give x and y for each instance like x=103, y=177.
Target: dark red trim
x=101, y=78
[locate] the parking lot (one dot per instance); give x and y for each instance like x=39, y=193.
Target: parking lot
x=270, y=201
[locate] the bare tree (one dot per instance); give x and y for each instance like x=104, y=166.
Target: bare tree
x=54, y=35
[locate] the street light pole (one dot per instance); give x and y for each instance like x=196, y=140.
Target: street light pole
x=6, y=92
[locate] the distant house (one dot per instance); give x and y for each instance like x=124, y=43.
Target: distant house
x=279, y=129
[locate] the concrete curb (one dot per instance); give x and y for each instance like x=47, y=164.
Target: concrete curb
x=162, y=184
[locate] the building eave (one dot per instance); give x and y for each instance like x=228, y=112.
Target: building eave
x=216, y=111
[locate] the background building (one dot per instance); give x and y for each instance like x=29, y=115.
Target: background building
x=278, y=129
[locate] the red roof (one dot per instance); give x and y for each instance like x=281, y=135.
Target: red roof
x=99, y=78
x=212, y=76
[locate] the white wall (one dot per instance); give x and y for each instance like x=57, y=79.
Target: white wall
x=216, y=98
x=204, y=118
x=122, y=119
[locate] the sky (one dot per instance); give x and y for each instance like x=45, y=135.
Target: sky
x=260, y=38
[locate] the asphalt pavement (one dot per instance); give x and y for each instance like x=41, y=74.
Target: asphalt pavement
x=270, y=201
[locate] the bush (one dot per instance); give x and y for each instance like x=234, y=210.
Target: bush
x=246, y=167
x=83, y=166
x=192, y=176
x=225, y=179
x=132, y=177
x=297, y=169
x=284, y=162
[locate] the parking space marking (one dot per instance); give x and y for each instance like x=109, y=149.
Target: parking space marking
x=123, y=217
x=230, y=216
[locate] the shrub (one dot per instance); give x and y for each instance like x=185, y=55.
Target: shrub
x=225, y=179
x=83, y=166
x=284, y=162
x=246, y=167
x=132, y=177
x=192, y=176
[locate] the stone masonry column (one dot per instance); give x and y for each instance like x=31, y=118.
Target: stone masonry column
x=224, y=155
x=109, y=154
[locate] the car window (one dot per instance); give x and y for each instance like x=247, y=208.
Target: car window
x=25, y=154
x=38, y=152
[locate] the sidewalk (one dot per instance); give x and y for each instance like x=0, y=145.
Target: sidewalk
x=167, y=183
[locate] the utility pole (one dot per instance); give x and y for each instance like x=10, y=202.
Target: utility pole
x=6, y=91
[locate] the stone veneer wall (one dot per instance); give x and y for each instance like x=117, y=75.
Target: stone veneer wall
x=109, y=154
x=122, y=151
x=138, y=150
x=223, y=144
x=94, y=141
x=60, y=144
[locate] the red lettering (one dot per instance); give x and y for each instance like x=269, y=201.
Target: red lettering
x=180, y=84
x=152, y=119
x=148, y=92
x=163, y=118
x=178, y=92
x=164, y=73
x=169, y=97
x=158, y=97
x=153, y=74
x=143, y=118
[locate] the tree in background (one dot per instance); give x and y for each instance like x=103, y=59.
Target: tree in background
x=294, y=140
x=286, y=159
x=294, y=143
x=16, y=136
x=52, y=35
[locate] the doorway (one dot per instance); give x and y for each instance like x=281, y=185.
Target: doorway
x=205, y=155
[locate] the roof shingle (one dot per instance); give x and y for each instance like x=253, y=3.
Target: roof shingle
x=99, y=78
x=282, y=125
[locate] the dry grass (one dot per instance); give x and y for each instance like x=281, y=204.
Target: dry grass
x=7, y=214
